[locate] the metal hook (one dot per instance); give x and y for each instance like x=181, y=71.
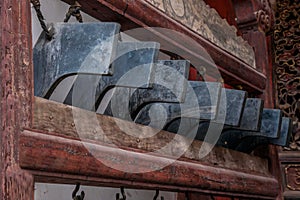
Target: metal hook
x=37, y=7
x=187, y=196
x=74, y=10
x=78, y=197
x=156, y=195
x=123, y=194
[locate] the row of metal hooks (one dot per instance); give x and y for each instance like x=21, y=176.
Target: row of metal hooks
x=119, y=196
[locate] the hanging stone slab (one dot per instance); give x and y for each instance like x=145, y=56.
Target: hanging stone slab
x=271, y=122
x=169, y=85
x=207, y=96
x=252, y=114
x=229, y=113
x=231, y=107
x=132, y=67
x=248, y=144
x=250, y=119
x=285, y=133
x=76, y=48
x=270, y=128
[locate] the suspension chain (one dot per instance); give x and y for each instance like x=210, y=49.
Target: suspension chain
x=74, y=11
x=37, y=6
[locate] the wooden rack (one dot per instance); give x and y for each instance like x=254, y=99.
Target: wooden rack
x=39, y=143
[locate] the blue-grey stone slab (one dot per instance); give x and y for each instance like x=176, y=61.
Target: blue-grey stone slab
x=248, y=144
x=207, y=98
x=76, y=48
x=133, y=67
x=231, y=107
x=170, y=79
x=271, y=122
x=270, y=128
x=252, y=114
x=285, y=133
x=229, y=113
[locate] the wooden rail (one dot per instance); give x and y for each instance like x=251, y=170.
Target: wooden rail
x=48, y=153
x=44, y=155
x=55, y=152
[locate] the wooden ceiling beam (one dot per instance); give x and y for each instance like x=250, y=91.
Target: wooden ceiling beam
x=140, y=13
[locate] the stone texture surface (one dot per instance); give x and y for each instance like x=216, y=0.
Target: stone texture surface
x=133, y=66
x=248, y=144
x=201, y=102
x=75, y=49
x=251, y=118
x=128, y=101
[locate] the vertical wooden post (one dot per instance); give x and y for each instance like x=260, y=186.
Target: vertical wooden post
x=255, y=18
x=15, y=96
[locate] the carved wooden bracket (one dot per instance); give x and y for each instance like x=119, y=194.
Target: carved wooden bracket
x=295, y=142
x=254, y=15
x=292, y=173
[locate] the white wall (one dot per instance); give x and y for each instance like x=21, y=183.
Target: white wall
x=64, y=192
x=54, y=11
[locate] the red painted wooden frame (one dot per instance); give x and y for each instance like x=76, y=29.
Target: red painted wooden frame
x=19, y=147
x=41, y=152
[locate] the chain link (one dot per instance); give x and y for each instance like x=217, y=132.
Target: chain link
x=37, y=6
x=74, y=11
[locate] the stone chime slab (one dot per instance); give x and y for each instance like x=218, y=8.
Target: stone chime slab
x=270, y=128
x=75, y=49
x=229, y=113
x=132, y=67
x=248, y=144
x=248, y=116
x=154, y=92
x=252, y=114
x=231, y=106
x=207, y=94
x=130, y=101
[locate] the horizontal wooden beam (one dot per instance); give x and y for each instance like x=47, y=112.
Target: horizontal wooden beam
x=54, y=152
x=49, y=153
x=291, y=194
x=289, y=157
x=72, y=122
x=140, y=13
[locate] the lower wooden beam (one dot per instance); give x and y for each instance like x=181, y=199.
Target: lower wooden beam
x=48, y=153
x=72, y=122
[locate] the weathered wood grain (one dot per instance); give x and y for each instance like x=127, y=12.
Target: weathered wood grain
x=68, y=121
x=43, y=152
x=15, y=96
